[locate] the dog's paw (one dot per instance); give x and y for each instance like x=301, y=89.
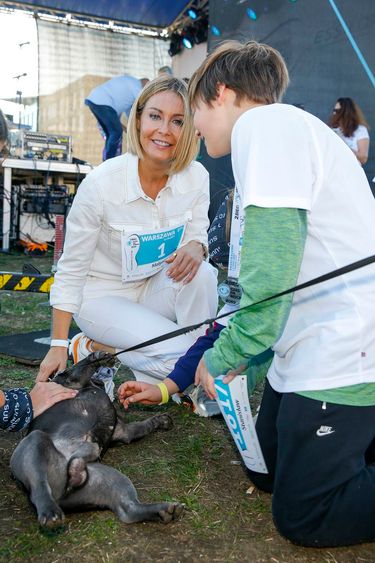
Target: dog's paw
x=164, y=421
x=172, y=511
x=51, y=517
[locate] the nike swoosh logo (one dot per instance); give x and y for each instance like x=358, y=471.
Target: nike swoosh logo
x=324, y=432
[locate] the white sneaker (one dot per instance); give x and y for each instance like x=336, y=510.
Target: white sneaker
x=80, y=347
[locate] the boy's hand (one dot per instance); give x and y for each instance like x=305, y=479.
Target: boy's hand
x=205, y=379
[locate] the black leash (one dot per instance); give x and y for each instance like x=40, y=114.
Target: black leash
x=320, y=279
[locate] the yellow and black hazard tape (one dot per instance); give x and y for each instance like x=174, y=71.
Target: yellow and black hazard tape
x=36, y=283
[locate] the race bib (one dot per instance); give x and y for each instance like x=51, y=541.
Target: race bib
x=143, y=255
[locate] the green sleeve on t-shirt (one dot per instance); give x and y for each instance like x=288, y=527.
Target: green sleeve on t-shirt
x=360, y=395
x=271, y=255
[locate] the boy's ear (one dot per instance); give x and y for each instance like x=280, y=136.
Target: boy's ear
x=223, y=94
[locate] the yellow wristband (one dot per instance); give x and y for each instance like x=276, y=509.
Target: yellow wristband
x=164, y=393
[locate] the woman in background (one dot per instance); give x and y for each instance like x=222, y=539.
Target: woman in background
x=348, y=122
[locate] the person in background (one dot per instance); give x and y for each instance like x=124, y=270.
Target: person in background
x=348, y=122
x=134, y=264
x=307, y=214
x=165, y=70
x=18, y=406
x=108, y=102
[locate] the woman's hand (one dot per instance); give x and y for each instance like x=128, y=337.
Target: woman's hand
x=44, y=395
x=205, y=379
x=55, y=360
x=185, y=262
x=138, y=392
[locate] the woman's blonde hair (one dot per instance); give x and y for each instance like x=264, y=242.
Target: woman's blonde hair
x=254, y=71
x=187, y=145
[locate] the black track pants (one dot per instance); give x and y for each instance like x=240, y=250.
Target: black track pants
x=318, y=456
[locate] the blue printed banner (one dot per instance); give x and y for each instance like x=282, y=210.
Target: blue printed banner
x=144, y=254
x=234, y=404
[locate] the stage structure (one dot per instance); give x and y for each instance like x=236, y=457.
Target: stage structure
x=82, y=44
x=137, y=16
x=329, y=47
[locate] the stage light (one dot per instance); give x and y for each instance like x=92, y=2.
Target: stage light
x=215, y=30
x=191, y=35
x=251, y=13
x=187, y=43
x=201, y=30
x=188, y=37
x=193, y=14
x=175, y=45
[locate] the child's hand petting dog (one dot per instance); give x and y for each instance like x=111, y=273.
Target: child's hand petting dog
x=138, y=392
x=145, y=393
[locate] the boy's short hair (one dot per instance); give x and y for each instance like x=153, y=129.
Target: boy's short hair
x=254, y=71
x=188, y=143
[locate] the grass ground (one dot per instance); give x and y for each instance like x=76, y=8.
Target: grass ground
x=196, y=463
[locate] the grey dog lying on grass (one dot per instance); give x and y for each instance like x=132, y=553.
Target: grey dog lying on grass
x=57, y=462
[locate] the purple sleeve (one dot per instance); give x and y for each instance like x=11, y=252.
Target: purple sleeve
x=184, y=371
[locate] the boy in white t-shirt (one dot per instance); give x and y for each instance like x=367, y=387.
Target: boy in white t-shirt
x=308, y=210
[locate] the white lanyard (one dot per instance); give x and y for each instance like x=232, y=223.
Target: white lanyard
x=230, y=291
x=236, y=234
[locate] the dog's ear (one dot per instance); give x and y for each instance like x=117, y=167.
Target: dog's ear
x=79, y=375
x=61, y=376
x=98, y=359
